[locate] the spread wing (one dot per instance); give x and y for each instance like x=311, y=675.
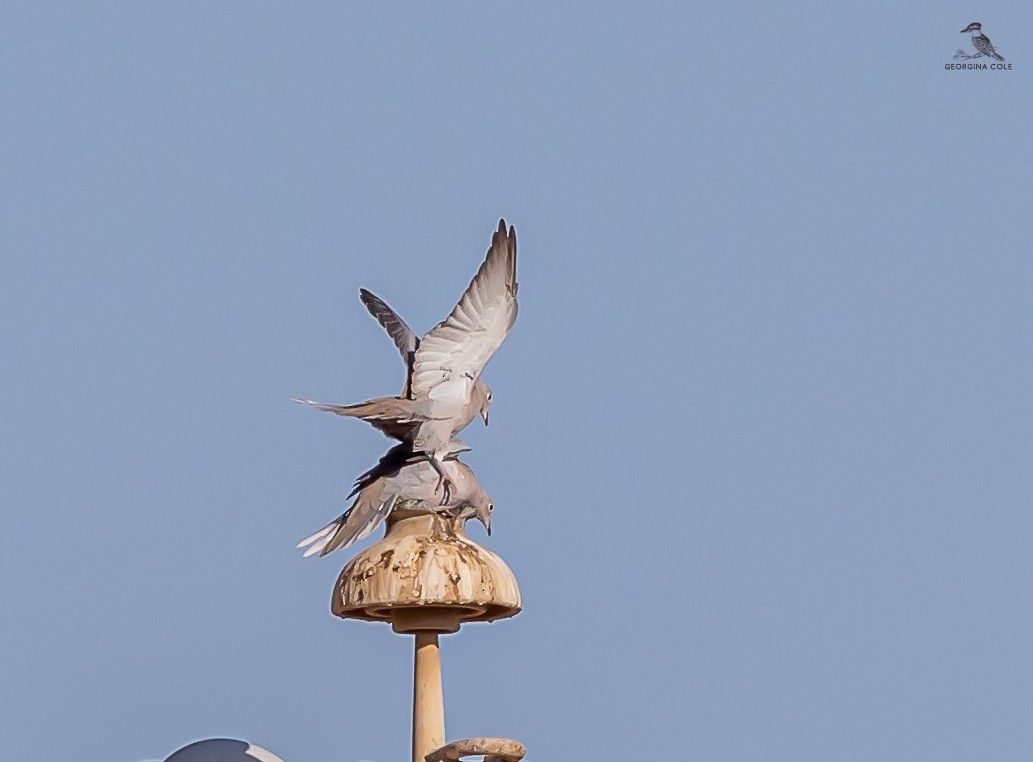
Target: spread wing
x=451, y=357
x=397, y=329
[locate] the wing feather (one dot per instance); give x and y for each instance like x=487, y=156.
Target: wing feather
x=399, y=331
x=451, y=357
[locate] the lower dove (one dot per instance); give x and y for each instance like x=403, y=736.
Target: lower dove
x=403, y=480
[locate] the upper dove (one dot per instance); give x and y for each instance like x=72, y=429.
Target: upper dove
x=443, y=390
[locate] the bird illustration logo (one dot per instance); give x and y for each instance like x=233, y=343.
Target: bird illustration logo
x=980, y=42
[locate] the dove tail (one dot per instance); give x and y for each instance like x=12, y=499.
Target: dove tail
x=355, y=411
x=393, y=416
x=360, y=410
x=349, y=527
x=317, y=543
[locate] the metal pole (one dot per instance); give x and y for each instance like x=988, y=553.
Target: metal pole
x=428, y=704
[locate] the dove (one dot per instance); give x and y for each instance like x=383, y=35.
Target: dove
x=407, y=342
x=444, y=395
x=403, y=479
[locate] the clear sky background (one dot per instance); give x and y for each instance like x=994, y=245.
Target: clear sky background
x=761, y=444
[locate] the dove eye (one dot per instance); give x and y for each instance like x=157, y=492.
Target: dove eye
x=491, y=507
x=489, y=396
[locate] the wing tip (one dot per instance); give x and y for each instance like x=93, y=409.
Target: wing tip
x=506, y=240
x=373, y=303
x=510, y=240
x=504, y=231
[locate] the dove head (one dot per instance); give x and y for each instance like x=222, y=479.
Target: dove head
x=482, y=398
x=483, y=508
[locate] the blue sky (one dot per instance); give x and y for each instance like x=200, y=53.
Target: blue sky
x=761, y=440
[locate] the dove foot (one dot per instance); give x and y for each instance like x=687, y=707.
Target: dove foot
x=445, y=484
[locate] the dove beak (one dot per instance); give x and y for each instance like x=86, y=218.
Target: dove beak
x=488, y=527
x=484, y=415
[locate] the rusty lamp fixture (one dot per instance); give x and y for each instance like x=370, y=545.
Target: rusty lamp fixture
x=427, y=578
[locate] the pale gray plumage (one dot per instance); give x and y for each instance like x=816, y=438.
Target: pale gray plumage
x=444, y=393
x=406, y=480
x=408, y=342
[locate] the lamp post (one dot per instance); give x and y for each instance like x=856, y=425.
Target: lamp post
x=427, y=578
